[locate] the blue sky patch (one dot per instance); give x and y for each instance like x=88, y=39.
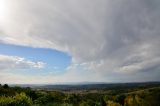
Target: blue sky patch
x=56, y=61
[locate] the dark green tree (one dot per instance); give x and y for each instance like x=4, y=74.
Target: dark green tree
x=5, y=86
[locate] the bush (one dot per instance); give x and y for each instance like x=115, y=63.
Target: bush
x=17, y=100
x=111, y=103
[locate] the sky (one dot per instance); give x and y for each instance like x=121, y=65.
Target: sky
x=70, y=41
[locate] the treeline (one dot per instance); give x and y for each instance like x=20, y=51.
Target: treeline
x=17, y=96
x=111, y=86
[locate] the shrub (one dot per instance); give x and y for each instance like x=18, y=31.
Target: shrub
x=111, y=103
x=17, y=100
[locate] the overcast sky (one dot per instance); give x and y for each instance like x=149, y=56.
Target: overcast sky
x=59, y=41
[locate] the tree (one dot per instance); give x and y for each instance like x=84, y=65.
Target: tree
x=5, y=86
x=134, y=100
x=120, y=99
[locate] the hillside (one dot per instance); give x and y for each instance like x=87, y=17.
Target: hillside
x=137, y=94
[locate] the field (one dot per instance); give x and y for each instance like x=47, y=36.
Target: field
x=120, y=94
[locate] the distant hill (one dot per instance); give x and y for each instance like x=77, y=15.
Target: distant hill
x=89, y=86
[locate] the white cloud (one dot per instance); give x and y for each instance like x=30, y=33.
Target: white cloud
x=106, y=37
x=15, y=63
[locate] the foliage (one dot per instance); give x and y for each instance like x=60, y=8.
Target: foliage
x=111, y=103
x=5, y=86
x=17, y=100
x=17, y=96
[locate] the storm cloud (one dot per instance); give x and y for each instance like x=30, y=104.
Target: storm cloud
x=112, y=40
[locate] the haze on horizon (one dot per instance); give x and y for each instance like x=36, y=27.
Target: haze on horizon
x=57, y=41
